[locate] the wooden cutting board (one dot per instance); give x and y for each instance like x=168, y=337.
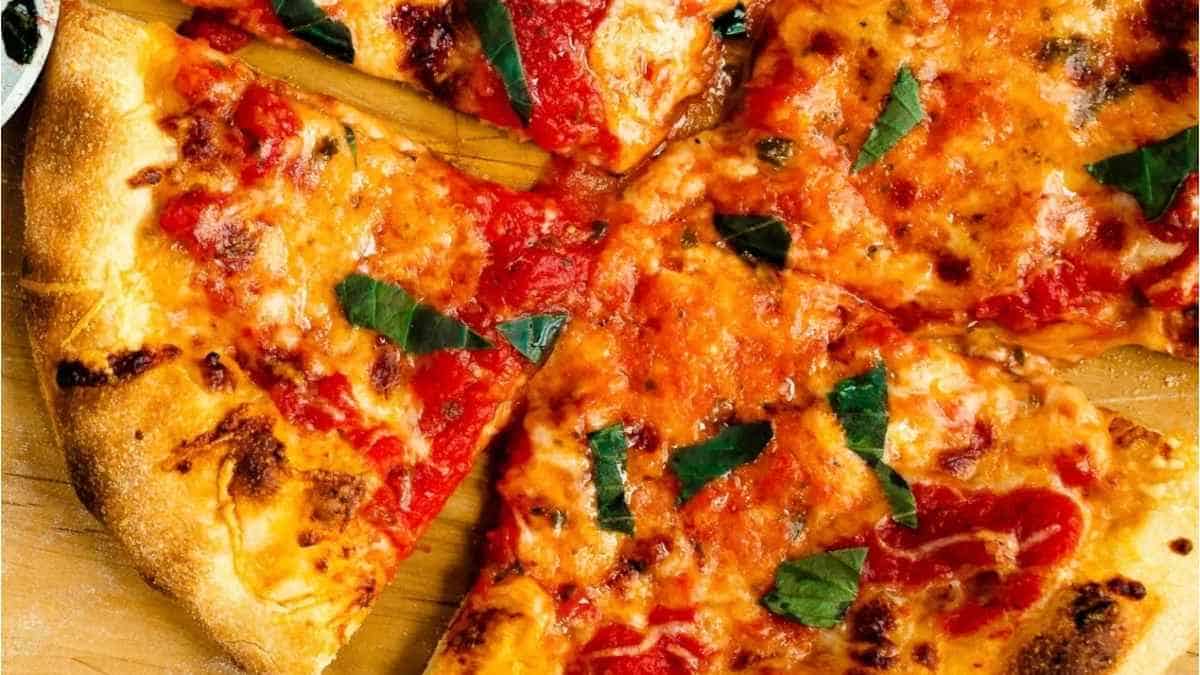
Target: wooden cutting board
x=73, y=604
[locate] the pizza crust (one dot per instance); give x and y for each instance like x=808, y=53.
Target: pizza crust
x=93, y=128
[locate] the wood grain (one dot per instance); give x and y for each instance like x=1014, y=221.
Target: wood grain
x=73, y=604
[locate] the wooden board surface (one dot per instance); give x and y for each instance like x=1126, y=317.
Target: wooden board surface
x=73, y=604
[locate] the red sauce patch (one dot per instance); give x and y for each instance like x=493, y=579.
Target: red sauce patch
x=212, y=27
x=617, y=649
x=1074, y=467
x=1005, y=538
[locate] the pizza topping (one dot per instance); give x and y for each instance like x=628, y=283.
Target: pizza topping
x=733, y=446
x=260, y=460
x=1074, y=467
x=872, y=621
x=608, y=448
x=533, y=336
x=732, y=24
x=415, y=327
x=494, y=24
x=268, y=121
x=755, y=237
x=121, y=366
x=817, y=590
x=213, y=27
x=334, y=497
x=307, y=21
x=216, y=376
x=1182, y=545
x=901, y=115
x=667, y=647
x=775, y=150
x=1152, y=173
x=861, y=406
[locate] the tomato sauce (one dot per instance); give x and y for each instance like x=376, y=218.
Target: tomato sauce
x=618, y=649
x=212, y=26
x=553, y=38
x=998, y=543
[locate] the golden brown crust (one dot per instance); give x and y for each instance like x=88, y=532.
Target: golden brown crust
x=122, y=430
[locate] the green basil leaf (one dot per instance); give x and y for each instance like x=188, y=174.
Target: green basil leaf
x=758, y=237
x=817, y=590
x=305, y=20
x=608, y=473
x=696, y=465
x=1152, y=173
x=534, y=335
x=732, y=24
x=861, y=406
x=18, y=22
x=388, y=309
x=351, y=142
x=493, y=23
x=902, y=113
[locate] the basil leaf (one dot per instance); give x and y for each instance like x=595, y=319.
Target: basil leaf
x=390, y=310
x=608, y=473
x=1152, y=173
x=351, y=142
x=732, y=24
x=764, y=238
x=494, y=24
x=902, y=113
x=861, y=406
x=817, y=590
x=533, y=336
x=18, y=22
x=305, y=20
x=696, y=465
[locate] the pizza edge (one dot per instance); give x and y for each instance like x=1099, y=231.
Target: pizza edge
x=92, y=128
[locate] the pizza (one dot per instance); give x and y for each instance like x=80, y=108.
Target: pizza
x=561, y=72
x=273, y=334
x=728, y=468
x=976, y=187
x=780, y=398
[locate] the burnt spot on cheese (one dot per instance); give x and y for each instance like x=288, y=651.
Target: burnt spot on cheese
x=1182, y=545
x=1172, y=20
x=260, y=460
x=1169, y=70
x=925, y=654
x=642, y=437
x=150, y=175
x=879, y=657
x=825, y=43
x=1126, y=587
x=200, y=140
x=217, y=376
x=471, y=630
x=333, y=497
x=960, y=462
x=872, y=621
x=387, y=371
x=428, y=30
x=366, y=593
x=1084, y=638
x=121, y=366
x=953, y=269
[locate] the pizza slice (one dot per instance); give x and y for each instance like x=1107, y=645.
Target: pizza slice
x=605, y=81
x=726, y=468
x=272, y=333
x=1034, y=172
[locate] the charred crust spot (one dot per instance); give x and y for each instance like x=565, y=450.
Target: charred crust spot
x=1126, y=587
x=260, y=459
x=1085, y=639
x=138, y=435
x=1182, y=545
x=879, y=657
x=925, y=654
x=150, y=175
x=1092, y=607
x=217, y=377
x=334, y=497
x=387, y=371
x=85, y=481
x=184, y=465
x=121, y=366
x=428, y=30
x=872, y=621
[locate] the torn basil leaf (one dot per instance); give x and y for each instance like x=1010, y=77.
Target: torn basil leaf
x=817, y=590
x=20, y=30
x=758, y=237
x=1152, y=173
x=534, y=335
x=696, y=465
x=608, y=447
x=902, y=112
x=308, y=22
x=861, y=406
x=388, y=309
x=775, y=150
x=493, y=23
x=732, y=24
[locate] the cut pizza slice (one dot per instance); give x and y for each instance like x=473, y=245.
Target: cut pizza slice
x=272, y=333
x=725, y=468
x=979, y=165
x=606, y=81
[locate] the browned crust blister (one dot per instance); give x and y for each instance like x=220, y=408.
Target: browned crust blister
x=124, y=401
